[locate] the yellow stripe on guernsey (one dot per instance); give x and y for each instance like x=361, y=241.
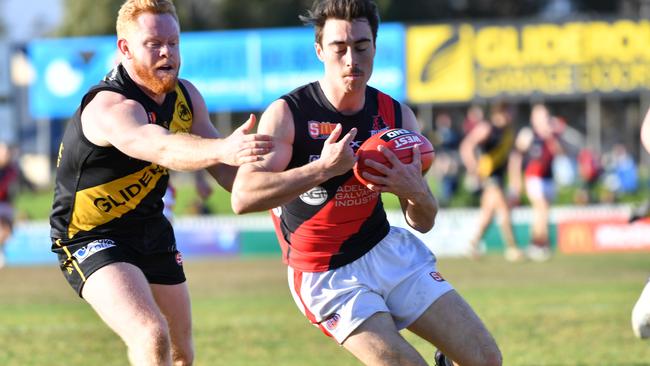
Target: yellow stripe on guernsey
x=98, y=205
x=497, y=156
x=182, y=120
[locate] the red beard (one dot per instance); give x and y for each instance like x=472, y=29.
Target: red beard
x=154, y=81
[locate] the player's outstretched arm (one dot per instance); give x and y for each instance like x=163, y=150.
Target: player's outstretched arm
x=112, y=120
x=266, y=184
x=224, y=173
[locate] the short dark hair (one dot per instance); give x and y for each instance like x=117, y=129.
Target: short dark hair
x=341, y=9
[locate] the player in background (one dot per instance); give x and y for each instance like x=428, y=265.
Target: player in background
x=9, y=176
x=641, y=310
x=351, y=273
x=114, y=245
x=203, y=189
x=535, y=149
x=484, y=152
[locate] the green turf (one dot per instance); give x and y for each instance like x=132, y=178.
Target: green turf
x=574, y=310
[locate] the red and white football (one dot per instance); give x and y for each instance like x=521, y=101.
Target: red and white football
x=400, y=141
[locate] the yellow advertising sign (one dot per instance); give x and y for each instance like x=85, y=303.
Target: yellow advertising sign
x=448, y=63
x=439, y=63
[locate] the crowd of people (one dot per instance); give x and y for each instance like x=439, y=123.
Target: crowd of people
x=503, y=159
x=605, y=177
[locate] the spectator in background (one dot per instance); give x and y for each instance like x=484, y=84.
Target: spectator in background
x=9, y=177
x=473, y=116
x=589, y=171
x=620, y=175
x=446, y=166
x=485, y=152
x=535, y=149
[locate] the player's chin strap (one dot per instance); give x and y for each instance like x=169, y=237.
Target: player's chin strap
x=640, y=212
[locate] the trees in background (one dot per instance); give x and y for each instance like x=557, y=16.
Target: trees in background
x=97, y=17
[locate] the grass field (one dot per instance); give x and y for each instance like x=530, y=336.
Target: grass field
x=574, y=310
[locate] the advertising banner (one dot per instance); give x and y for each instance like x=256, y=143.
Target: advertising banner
x=458, y=63
x=64, y=70
x=612, y=235
x=234, y=70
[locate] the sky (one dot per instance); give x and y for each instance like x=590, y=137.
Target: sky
x=27, y=19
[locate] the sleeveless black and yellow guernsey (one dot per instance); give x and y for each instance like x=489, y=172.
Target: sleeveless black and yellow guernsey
x=106, y=198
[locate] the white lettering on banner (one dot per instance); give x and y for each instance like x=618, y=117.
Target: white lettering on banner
x=622, y=236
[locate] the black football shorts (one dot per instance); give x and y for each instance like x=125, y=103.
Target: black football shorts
x=81, y=259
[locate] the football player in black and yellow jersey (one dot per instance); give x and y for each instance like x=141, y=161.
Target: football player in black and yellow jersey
x=485, y=151
x=115, y=247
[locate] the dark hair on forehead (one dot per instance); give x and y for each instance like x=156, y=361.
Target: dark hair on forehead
x=341, y=9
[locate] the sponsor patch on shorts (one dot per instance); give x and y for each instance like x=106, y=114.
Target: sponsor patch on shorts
x=332, y=321
x=437, y=276
x=91, y=248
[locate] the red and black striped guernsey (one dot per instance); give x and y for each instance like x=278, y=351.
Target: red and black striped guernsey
x=340, y=220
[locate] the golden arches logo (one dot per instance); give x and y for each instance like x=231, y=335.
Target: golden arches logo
x=576, y=238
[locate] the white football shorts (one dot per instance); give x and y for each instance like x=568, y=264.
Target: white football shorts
x=538, y=188
x=641, y=314
x=397, y=276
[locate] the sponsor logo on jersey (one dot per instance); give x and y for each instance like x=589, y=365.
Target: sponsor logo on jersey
x=92, y=248
x=315, y=196
x=184, y=112
x=354, y=195
x=378, y=125
x=100, y=204
x=437, y=276
x=332, y=321
x=277, y=211
x=320, y=130
x=125, y=194
x=182, y=117
x=313, y=158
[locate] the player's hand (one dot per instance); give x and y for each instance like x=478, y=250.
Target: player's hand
x=243, y=147
x=338, y=157
x=403, y=180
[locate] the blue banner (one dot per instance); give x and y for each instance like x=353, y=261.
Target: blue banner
x=234, y=70
x=195, y=237
x=64, y=70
